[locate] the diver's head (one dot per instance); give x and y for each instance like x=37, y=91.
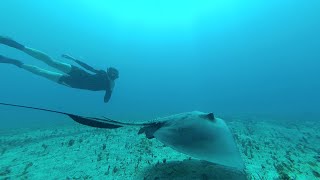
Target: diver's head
x=113, y=73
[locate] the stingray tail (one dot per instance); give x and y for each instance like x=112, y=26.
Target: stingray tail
x=105, y=123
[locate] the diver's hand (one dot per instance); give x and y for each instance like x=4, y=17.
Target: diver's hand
x=106, y=99
x=107, y=96
x=67, y=56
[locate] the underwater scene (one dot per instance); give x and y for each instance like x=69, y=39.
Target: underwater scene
x=153, y=90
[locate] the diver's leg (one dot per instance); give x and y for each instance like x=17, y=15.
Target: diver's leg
x=53, y=76
x=64, y=67
x=7, y=60
x=35, y=70
x=9, y=42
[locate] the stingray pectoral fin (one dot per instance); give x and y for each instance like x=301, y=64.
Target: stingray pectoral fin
x=92, y=122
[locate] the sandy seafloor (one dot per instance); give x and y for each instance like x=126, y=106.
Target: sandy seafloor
x=271, y=149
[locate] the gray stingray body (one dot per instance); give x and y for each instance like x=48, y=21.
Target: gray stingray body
x=199, y=135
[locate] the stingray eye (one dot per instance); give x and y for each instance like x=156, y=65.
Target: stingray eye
x=210, y=116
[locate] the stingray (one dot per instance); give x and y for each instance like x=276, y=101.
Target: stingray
x=197, y=134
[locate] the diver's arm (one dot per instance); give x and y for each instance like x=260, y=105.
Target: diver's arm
x=109, y=91
x=107, y=95
x=84, y=65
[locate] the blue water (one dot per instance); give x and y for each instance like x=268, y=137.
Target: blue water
x=228, y=57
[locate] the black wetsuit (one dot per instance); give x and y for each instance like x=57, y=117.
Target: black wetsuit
x=80, y=79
